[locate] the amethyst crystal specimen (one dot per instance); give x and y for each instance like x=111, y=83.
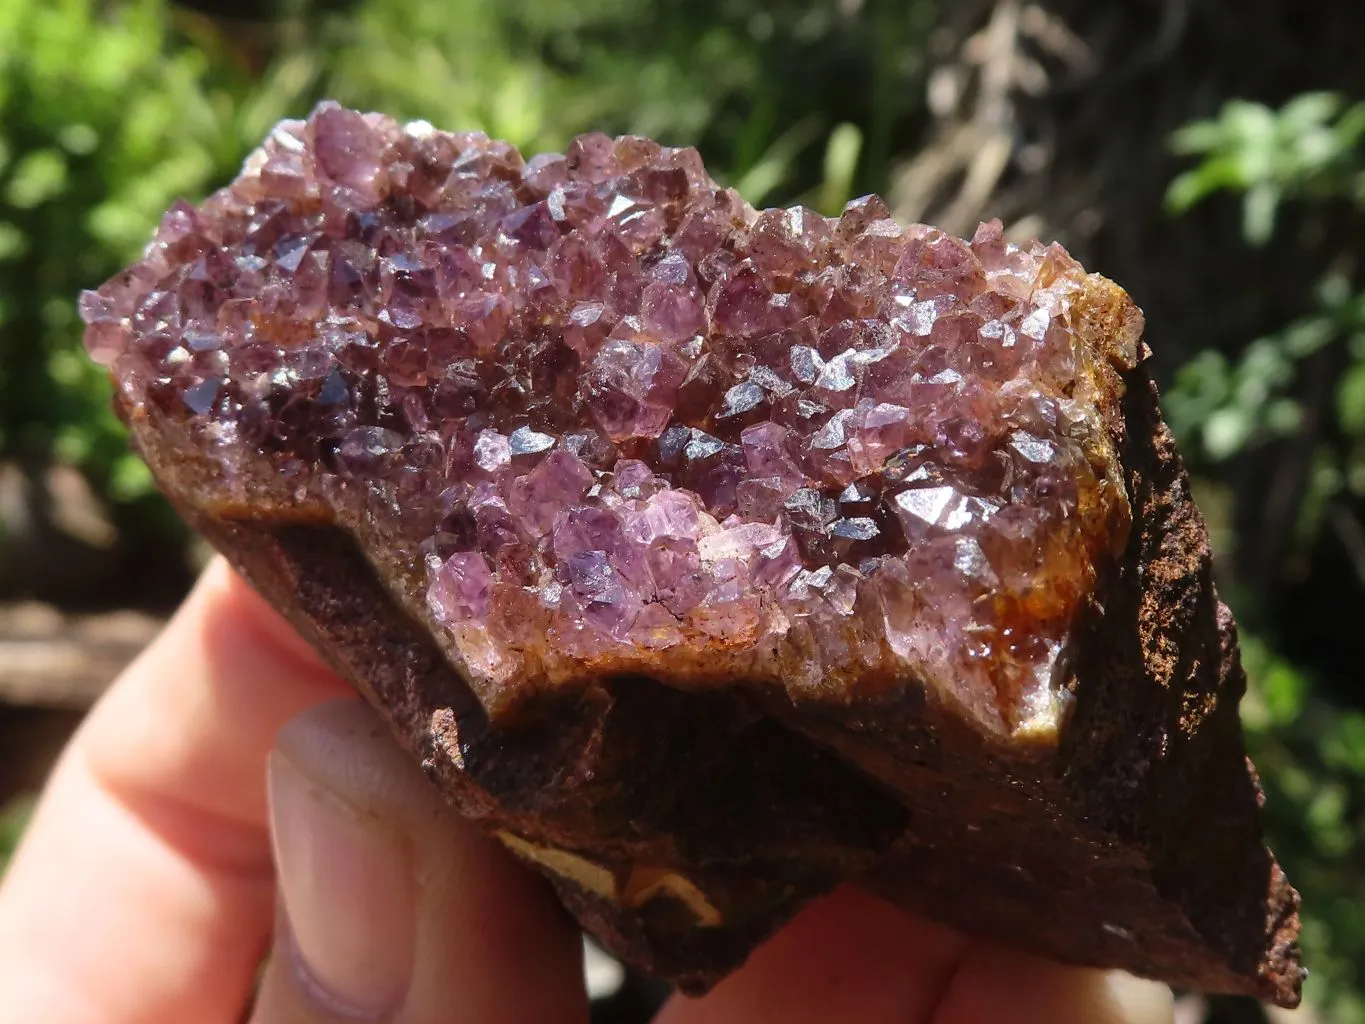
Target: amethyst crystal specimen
x=594, y=424
x=615, y=417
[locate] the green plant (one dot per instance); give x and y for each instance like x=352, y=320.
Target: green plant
x=1296, y=393
x=757, y=85
x=1308, y=149
x=1222, y=406
x=13, y=817
x=1311, y=757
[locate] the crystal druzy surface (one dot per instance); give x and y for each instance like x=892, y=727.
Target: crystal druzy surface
x=593, y=414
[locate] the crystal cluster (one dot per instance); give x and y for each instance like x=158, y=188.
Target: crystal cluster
x=593, y=412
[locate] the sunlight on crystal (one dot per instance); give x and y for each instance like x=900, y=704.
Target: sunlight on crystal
x=612, y=412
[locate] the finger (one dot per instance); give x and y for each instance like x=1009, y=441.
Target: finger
x=853, y=957
x=144, y=889
x=849, y=957
x=1014, y=988
x=394, y=909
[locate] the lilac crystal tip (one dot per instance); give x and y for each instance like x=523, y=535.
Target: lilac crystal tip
x=602, y=416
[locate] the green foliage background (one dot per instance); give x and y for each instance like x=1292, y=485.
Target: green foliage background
x=109, y=110
x=1309, y=748
x=13, y=817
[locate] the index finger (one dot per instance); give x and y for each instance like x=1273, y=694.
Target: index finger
x=144, y=889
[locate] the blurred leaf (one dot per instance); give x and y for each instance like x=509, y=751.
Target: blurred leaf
x=1334, y=291
x=1190, y=188
x=1282, y=415
x=777, y=162
x=37, y=177
x=1201, y=386
x=1309, y=147
x=78, y=139
x=1226, y=430
x=1326, y=817
x=1283, y=689
x=1307, y=336
x=130, y=479
x=1222, y=409
x=1344, y=747
x=283, y=92
x=841, y=166
x=12, y=242
x=1351, y=400
x=1311, y=109
x=1258, y=212
x=1197, y=137
x=14, y=817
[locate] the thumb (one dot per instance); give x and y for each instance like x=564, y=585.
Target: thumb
x=391, y=907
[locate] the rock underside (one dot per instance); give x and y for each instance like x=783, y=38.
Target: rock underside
x=590, y=423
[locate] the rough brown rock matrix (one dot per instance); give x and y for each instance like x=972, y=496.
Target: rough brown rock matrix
x=710, y=557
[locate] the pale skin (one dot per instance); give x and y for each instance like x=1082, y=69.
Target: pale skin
x=228, y=802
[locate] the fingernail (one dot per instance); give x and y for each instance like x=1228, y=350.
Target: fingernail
x=346, y=882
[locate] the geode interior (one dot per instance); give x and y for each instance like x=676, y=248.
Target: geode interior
x=596, y=415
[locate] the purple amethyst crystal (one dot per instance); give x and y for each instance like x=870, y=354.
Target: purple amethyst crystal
x=614, y=416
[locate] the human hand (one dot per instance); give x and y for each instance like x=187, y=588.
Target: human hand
x=146, y=888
